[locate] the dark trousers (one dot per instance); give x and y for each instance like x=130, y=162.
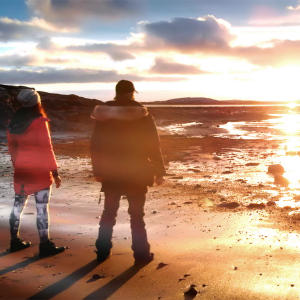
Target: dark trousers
x=140, y=245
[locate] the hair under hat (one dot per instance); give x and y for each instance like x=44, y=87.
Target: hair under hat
x=29, y=98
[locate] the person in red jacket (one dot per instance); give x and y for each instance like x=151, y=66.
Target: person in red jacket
x=35, y=169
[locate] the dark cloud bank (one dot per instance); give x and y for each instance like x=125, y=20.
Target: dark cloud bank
x=51, y=76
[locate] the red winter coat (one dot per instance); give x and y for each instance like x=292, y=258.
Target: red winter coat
x=32, y=157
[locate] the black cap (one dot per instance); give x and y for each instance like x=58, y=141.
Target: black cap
x=124, y=87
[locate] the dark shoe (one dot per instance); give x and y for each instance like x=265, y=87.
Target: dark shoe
x=144, y=259
x=102, y=256
x=18, y=244
x=49, y=248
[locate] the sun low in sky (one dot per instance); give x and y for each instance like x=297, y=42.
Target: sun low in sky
x=247, y=50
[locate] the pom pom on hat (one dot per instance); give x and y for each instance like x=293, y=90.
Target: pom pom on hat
x=29, y=98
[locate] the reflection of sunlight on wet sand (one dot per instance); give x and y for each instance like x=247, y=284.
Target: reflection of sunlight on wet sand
x=291, y=165
x=178, y=128
x=233, y=129
x=292, y=144
x=289, y=123
x=288, y=201
x=292, y=105
x=265, y=233
x=284, y=128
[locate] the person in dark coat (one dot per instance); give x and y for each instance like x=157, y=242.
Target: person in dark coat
x=126, y=159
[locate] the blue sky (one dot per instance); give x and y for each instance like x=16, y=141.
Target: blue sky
x=222, y=49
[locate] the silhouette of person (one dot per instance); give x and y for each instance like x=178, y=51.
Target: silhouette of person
x=126, y=159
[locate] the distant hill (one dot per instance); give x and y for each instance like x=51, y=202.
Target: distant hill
x=209, y=101
x=72, y=113
x=189, y=100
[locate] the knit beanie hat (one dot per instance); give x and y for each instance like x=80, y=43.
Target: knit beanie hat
x=29, y=98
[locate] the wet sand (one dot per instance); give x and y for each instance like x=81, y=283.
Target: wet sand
x=228, y=253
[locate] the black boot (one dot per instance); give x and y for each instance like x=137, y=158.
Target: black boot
x=103, y=250
x=102, y=256
x=141, y=249
x=49, y=248
x=18, y=244
x=143, y=258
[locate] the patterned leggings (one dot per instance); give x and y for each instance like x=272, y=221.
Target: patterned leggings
x=42, y=199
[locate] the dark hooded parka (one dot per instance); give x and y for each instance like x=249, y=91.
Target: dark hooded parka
x=125, y=147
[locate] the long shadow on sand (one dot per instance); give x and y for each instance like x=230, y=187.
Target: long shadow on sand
x=4, y=253
x=62, y=285
x=111, y=287
x=20, y=265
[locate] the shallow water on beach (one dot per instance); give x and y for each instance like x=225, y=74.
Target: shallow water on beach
x=284, y=129
x=284, y=126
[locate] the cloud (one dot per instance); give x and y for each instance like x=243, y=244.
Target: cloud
x=293, y=8
x=188, y=35
x=16, y=60
x=60, y=61
x=183, y=35
x=281, y=53
x=67, y=13
x=267, y=15
x=165, y=67
x=46, y=44
x=211, y=37
x=14, y=30
x=51, y=76
x=115, y=51
x=203, y=37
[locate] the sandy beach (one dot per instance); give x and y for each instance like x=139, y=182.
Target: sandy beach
x=219, y=222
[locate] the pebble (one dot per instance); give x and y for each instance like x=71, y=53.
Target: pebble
x=227, y=172
x=192, y=292
x=280, y=180
x=256, y=206
x=230, y=205
x=276, y=169
x=97, y=276
x=161, y=265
